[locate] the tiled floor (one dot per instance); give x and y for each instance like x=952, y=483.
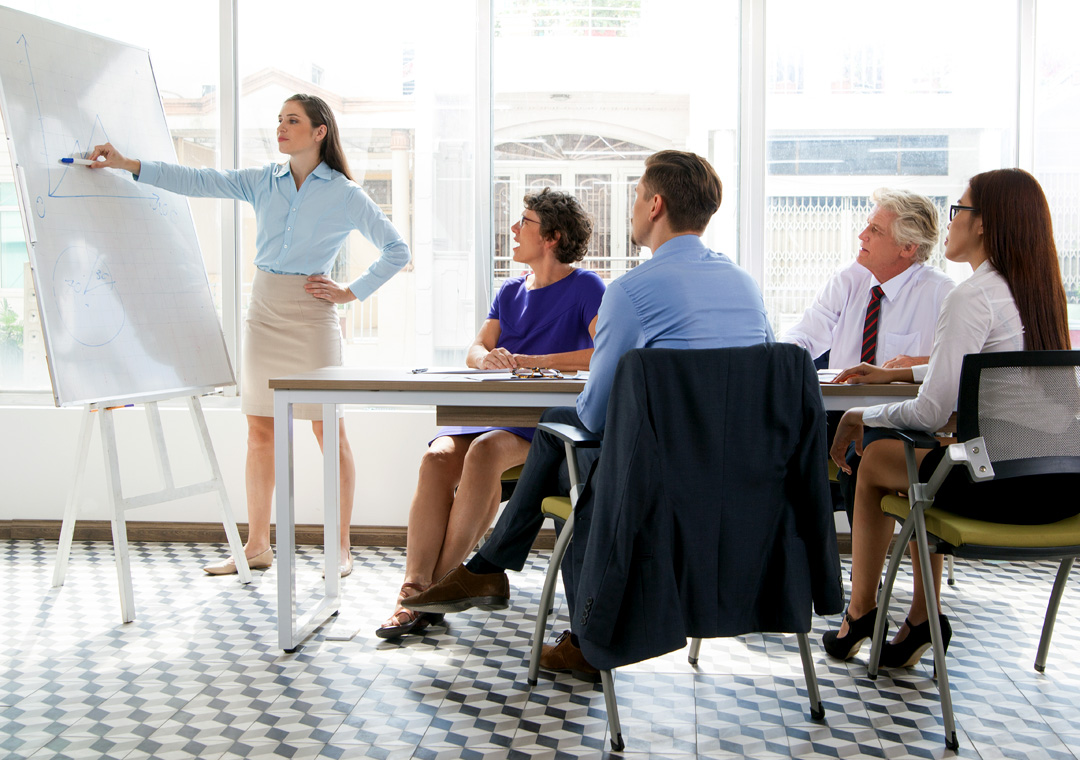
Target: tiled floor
x=198, y=674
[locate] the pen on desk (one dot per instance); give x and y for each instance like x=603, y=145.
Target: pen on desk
x=418, y=370
x=79, y=161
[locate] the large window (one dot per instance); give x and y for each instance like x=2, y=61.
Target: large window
x=402, y=84
x=448, y=120
x=1057, y=135
x=586, y=89
x=867, y=96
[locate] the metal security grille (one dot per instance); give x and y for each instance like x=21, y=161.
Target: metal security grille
x=1062, y=190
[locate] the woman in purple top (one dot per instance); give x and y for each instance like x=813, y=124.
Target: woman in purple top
x=545, y=319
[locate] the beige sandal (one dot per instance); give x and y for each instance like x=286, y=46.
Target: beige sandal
x=228, y=567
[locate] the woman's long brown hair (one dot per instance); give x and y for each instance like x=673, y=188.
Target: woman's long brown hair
x=1019, y=240
x=319, y=112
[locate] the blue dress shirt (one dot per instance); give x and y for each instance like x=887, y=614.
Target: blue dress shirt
x=298, y=231
x=685, y=296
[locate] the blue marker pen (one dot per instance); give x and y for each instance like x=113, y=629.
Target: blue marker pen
x=79, y=161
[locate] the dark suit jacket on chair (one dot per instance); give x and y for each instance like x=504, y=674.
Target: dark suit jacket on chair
x=709, y=512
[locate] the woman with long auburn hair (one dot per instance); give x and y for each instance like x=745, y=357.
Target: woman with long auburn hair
x=1014, y=300
x=305, y=208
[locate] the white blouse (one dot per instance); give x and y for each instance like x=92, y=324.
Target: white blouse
x=979, y=316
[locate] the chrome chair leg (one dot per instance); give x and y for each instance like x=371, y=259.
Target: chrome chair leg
x=547, y=597
x=935, y=633
x=817, y=709
x=1051, y=613
x=607, y=678
x=695, y=650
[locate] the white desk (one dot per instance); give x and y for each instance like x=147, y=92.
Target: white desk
x=458, y=401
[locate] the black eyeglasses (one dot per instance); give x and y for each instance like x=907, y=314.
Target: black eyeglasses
x=956, y=209
x=527, y=219
x=536, y=373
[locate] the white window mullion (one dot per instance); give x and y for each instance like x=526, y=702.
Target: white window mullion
x=751, y=232
x=485, y=160
x=228, y=113
x=1026, y=81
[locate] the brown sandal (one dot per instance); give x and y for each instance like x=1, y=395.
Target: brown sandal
x=405, y=621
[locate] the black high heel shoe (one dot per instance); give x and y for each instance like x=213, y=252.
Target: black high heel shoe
x=846, y=647
x=911, y=649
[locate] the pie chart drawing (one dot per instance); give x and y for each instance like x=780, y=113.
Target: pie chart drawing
x=89, y=302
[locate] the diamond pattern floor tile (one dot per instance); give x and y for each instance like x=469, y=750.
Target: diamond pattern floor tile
x=198, y=675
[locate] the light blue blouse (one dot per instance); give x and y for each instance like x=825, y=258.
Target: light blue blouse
x=297, y=231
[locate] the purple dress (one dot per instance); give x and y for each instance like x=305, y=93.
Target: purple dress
x=548, y=320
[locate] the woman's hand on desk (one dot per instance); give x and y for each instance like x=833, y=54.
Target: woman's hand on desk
x=850, y=429
x=869, y=374
x=498, y=358
x=322, y=287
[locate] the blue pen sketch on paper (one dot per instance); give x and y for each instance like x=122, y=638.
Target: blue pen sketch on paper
x=77, y=147
x=85, y=292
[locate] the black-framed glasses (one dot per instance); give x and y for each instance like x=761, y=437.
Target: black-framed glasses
x=956, y=209
x=536, y=373
x=527, y=219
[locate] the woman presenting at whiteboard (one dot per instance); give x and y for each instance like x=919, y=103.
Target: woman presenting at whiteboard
x=304, y=210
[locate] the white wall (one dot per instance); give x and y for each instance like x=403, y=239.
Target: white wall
x=38, y=446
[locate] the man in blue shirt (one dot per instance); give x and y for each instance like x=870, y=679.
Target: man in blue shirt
x=685, y=296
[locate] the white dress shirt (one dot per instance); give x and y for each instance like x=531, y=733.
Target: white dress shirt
x=909, y=310
x=979, y=316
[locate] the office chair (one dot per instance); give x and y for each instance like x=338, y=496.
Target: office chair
x=1018, y=417
x=731, y=392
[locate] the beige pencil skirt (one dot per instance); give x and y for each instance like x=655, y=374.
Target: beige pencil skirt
x=286, y=331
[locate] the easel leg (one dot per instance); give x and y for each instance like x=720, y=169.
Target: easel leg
x=119, y=525
x=227, y=518
x=71, y=511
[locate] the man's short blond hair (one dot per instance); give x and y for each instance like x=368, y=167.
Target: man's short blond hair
x=916, y=219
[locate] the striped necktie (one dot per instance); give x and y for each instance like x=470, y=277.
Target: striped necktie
x=870, y=326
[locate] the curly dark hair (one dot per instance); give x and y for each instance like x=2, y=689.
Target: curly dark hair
x=562, y=218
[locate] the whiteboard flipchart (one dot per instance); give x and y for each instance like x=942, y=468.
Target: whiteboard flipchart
x=126, y=307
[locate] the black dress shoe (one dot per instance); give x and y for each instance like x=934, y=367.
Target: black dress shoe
x=846, y=647
x=908, y=652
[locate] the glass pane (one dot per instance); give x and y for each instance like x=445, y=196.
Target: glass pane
x=403, y=94
x=184, y=53
x=1057, y=137
x=852, y=106
x=585, y=90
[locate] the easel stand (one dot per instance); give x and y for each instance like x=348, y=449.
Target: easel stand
x=120, y=505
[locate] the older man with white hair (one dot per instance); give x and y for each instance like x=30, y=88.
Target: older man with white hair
x=882, y=308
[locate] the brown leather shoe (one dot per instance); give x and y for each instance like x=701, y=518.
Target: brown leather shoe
x=459, y=590
x=564, y=657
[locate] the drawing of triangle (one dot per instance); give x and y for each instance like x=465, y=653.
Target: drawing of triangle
x=77, y=150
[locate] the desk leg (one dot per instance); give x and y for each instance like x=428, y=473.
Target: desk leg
x=286, y=521
x=331, y=504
